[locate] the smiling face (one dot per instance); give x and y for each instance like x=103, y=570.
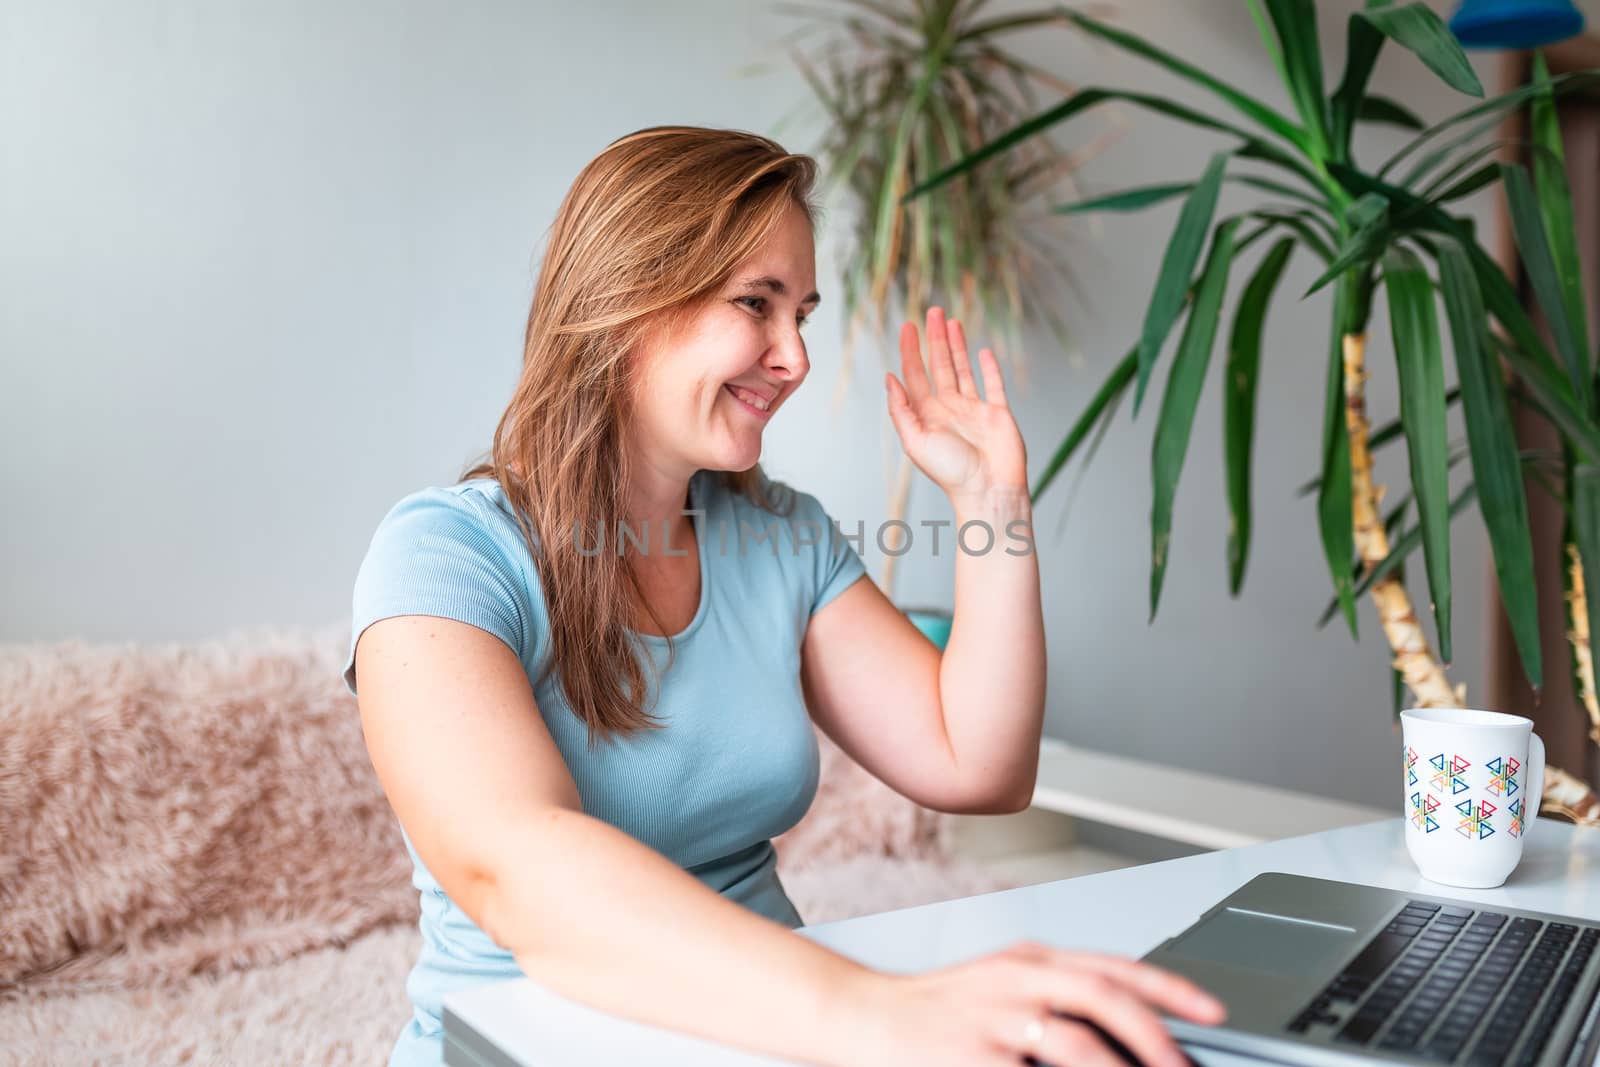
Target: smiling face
x=705, y=395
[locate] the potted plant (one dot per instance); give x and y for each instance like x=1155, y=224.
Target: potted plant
x=908, y=87
x=1370, y=226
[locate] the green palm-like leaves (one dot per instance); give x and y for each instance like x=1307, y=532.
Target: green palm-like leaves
x=1416, y=27
x=1555, y=205
x=1239, y=401
x=1539, y=260
x=1502, y=500
x=1177, y=264
x=1182, y=397
x=1267, y=117
x=1295, y=24
x=1334, y=512
x=1388, y=226
x=1414, y=325
x=1368, y=222
x=1104, y=398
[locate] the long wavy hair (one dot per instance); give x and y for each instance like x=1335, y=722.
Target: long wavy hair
x=652, y=228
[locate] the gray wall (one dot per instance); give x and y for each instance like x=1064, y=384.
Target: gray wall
x=266, y=269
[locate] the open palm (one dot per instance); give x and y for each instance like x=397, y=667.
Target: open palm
x=968, y=444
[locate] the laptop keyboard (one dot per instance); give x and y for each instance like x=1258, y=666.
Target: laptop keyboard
x=1457, y=986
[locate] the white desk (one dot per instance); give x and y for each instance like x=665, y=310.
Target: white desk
x=1126, y=911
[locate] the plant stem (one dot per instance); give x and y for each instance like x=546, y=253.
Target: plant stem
x=1578, y=637
x=1413, y=656
x=1564, y=793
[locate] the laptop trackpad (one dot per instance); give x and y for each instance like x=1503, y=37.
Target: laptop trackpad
x=1257, y=941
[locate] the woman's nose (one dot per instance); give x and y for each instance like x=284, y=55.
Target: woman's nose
x=788, y=355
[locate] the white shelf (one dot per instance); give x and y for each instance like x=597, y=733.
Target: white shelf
x=1205, y=810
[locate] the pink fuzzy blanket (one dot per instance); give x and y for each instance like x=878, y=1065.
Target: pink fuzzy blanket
x=174, y=810
x=180, y=808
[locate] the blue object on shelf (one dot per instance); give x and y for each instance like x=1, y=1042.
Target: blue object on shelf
x=1514, y=23
x=932, y=622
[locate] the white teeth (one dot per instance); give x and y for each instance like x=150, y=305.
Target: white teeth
x=753, y=399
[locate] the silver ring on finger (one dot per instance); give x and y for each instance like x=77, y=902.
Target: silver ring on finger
x=1033, y=1034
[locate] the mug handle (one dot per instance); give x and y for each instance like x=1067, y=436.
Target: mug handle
x=1535, y=782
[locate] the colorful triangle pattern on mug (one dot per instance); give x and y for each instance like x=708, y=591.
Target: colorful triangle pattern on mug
x=1475, y=819
x=1503, y=775
x=1422, y=808
x=1450, y=776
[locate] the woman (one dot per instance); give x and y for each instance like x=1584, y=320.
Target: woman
x=591, y=715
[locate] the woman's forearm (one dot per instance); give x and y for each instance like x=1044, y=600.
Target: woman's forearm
x=992, y=677
x=598, y=917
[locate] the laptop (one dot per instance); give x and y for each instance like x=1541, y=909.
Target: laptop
x=1315, y=971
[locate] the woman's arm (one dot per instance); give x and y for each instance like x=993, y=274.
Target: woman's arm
x=586, y=910
x=636, y=935
x=992, y=674
x=958, y=731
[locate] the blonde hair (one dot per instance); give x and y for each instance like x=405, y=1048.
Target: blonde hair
x=652, y=226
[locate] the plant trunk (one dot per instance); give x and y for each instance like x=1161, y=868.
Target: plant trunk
x=1564, y=793
x=1578, y=638
x=1414, y=658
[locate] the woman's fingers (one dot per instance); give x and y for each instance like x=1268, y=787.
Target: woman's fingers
x=994, y=390
x=1106, y=1002
x=1160, y=987
x=911, y=369
x=960, y=359
x=1054, y=1040
x=901, y=413
x=944, y=371
x=948, y=367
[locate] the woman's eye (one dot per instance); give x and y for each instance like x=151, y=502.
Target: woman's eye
x=759, y=303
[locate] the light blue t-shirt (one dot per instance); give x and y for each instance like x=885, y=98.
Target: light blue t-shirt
x=736, y=763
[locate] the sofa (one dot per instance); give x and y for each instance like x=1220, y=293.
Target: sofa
x=198, y=866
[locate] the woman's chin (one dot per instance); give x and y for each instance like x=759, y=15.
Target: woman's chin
x=740, y=454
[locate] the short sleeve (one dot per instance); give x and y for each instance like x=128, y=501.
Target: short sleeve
x=437, y=553
x=836, y=563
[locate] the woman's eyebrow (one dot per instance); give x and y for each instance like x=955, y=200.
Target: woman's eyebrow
x=777, y=286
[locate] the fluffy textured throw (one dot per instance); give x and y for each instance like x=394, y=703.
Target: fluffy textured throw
x=180, y=808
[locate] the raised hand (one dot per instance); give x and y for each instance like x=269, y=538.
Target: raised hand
x=966, y=443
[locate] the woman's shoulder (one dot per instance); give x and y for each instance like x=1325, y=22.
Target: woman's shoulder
x=448, y=551
x=475, y=502
x=469, y=521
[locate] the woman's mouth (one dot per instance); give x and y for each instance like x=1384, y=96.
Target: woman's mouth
x=751, y=402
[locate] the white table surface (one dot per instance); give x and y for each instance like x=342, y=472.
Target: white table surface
x=1127, y=911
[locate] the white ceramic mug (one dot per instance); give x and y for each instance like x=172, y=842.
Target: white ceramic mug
x=1472, y=785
